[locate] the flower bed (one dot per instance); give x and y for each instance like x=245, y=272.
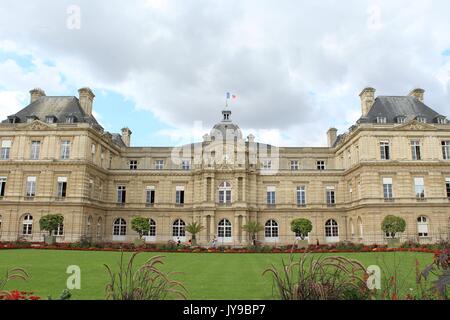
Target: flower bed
x=172, y=247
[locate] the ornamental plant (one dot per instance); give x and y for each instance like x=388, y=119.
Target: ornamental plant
x=194, y=228
x=302, y=227
x=392, y=225
x=140, y=225
x=252, y=228
x=51, y=222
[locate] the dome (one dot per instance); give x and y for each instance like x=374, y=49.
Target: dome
x=226, y=129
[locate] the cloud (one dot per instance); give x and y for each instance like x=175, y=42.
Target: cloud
x=297, y=66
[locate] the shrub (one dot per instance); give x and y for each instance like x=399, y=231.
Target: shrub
x=145, y=283
x=320, y=278
x=140, y=225
x=194, y=228
x=51, y=222
x=302, y=227
x=392, y=225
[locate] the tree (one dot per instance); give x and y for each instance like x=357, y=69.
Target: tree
x=253, y=227
x=140, y=225
x=194, y=228
x=51, y=222
x=302, y=227
x=391, y=225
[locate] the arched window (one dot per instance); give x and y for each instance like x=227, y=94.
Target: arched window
x=331, y=229
x=120, y=227
x=60, y=231
x=225, y=193
x=152, y=231
x=27, y=225
x=99, y=227
x=224, y=230
x=422, y=226
x=271, y=229
x=88, y=225
x=360, y=226
x=352, y=227
x=179, y=229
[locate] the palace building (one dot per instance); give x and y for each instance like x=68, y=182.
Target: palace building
x=56, y=159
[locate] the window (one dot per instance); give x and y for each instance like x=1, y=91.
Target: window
x=225, y=193
x=120, y=227
x=331, y=229
x=401, y=119
x=6, y=149
x=150, y=195
x=271, y=192
x=447, y=187
x=441, y=120
x=387, y=188
x=70, y=119
x=93, y=149
x=422, y=226
x=50, y=119
x=419, y=188
x=320, y=164
x=384, y=150
x=294, y=165
x=301, y=196
x=62, y=187
x=2, y=186
x=331, y=199
x=415, y=150
x=35, y=150
x=31, y=187
x=224, y=229
x=152, y=231
x=159, y=164
x=267, y=164
x=59, y=232
x=179, y=229
x=65, y=150
x=121, y=194
x=133, y=164
x=179, y=195
x=186, y=165
x=27, y=225
x=271, y=229
x=446, y=150
x=422, y=119
x=381, y=120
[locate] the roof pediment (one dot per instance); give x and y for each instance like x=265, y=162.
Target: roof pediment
x=36, y=125
x=415, y=125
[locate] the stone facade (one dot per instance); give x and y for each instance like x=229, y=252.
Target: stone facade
x=55, y=158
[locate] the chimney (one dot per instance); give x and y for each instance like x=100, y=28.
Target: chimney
x=332, y=136
x=126, y=136
x=418, y=94
x=86, y=97
x=367, y=99
x=36, y=94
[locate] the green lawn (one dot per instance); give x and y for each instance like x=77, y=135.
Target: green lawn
x=206, y=276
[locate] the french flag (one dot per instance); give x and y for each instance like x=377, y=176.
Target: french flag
x=231, y=96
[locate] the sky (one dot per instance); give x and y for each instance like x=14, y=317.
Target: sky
x=163, y=67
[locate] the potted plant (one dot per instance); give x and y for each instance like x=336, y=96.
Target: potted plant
x=252, y=228
x=50, y=223
x=392, y=225
x=141, y=226
x=301, y=227
x=194, y=228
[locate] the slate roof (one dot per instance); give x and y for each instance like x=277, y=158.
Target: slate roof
x=392, y=107
x=59, y=107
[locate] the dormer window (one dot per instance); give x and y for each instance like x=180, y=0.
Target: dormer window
x=421, y=119
x=441, y=120
x=30, y=119
x=401, y=119
x=13, y=119
x=381, y=120
x=50, y=119
x=70, y=119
